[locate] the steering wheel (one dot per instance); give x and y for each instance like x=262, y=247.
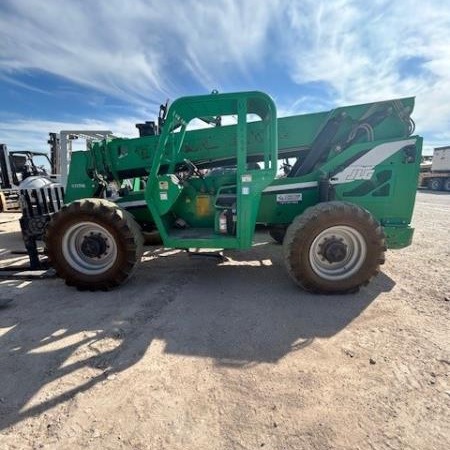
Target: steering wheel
x=192, y=169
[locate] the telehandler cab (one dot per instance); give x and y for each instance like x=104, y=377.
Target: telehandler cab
x=347, y=196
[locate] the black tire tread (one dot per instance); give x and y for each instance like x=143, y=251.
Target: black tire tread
x=296, y=233
x=115, y=218
x=152, y=237
x=277, y=233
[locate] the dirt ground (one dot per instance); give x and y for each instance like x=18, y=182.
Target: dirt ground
x=192, y=354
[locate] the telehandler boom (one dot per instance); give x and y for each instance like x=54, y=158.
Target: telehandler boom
x=347, y=192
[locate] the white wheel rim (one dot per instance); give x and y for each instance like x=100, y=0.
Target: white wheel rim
x=75, y=248
x=355, y=253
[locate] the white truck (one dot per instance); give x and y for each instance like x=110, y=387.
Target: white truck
x=438, y=178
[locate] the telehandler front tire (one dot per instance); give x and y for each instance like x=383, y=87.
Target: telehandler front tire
x=93, y=244
x=334, y=248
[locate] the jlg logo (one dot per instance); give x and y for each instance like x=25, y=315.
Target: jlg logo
x=359, y=173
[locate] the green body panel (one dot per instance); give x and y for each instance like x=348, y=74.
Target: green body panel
x=389, y=194
x=79, y=183
x=398, y=237
x=365, y=155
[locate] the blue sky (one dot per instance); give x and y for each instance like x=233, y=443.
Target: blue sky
x=108, y=64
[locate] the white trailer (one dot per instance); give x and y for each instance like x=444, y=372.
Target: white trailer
x=438, y=178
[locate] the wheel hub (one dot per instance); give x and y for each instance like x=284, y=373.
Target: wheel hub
x=333, y=250
x=89, y=248
x=337, y=252
x=94, y=246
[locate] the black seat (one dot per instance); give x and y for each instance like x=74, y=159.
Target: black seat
x=226, y=200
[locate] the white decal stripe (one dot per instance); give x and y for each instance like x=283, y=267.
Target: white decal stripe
x=381, y=152
x=283, y=187
x=371, y=159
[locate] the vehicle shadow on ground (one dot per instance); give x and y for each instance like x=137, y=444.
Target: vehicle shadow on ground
x=241, y=312
x=46, y=338
x=251, y=312
x=10, y=241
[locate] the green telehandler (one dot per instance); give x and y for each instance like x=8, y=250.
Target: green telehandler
x=346, y=194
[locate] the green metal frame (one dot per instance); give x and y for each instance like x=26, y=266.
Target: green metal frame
x=163, y=191
x=377, y=170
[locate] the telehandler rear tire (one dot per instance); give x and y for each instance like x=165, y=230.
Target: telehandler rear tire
x=277, y=233
x=152, y=237
x=334, y=248
x=93, y=244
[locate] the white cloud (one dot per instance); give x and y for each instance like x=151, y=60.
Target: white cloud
x=81, y=42
x=33, y=134
x=359, y=49
x=143, y=51
x=139, y=50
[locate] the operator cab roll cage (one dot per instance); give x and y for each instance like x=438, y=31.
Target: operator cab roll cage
x=163, y=188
